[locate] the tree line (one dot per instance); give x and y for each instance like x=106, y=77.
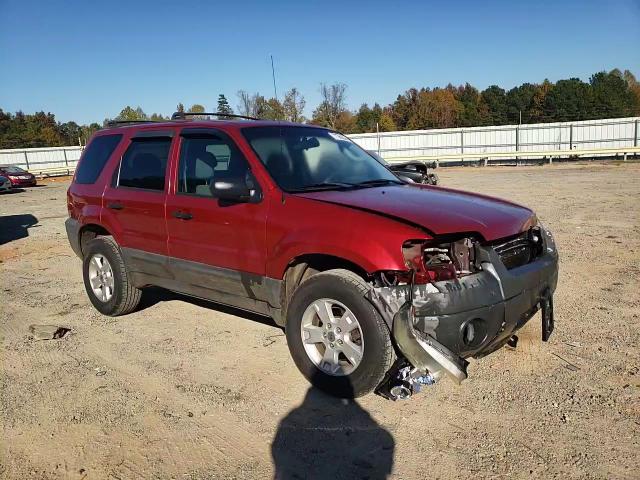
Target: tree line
x=41, y=129
x=606, y=95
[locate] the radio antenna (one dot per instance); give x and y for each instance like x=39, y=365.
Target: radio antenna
x=273, y=74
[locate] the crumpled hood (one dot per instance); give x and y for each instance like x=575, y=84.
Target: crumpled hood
x=439, y=210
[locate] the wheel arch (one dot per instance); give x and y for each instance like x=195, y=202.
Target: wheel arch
x=90, y=231
x=306, y=265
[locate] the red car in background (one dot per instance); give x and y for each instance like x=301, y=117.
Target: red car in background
x=18, y=177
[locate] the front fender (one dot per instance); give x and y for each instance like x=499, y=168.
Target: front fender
x=301, y=226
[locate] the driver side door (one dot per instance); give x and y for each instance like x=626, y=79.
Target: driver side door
x=217, y=249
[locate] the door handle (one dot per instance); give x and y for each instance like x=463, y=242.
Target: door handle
x=115, y=206
x=182, y=215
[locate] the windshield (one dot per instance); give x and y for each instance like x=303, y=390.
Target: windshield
x=378, y=157
x=304, y=159
x=12, y=169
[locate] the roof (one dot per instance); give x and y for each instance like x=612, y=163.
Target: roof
x=233, y=123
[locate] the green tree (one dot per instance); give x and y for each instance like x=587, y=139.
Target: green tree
x=247, y=103
x=180, y=108
x=634, y=87
x=537, y=109
x=495, y=99
x=346, y=122
x=87, y=131
x=365, y=121
x=569, y=100
x=128, y=113
x=402, y=108
x=71, y=133
x=519, y=103
x=223, y=105
x=293, y=106
x=474, y=111
x=261, y=107
x=275, y=108
x=386, y=123
x=252, y=105
x=436, y=108
x=367, y=118
x=612, y=95
x=332, y=110
x=196, y=108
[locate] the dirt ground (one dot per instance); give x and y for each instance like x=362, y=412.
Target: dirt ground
x=188, y=389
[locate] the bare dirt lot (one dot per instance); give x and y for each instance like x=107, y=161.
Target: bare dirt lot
x=188, y=389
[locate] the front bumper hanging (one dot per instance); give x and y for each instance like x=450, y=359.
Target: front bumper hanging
x=436, y=326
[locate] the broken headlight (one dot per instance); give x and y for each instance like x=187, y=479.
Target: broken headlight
x=433, y=261
x=549, y=242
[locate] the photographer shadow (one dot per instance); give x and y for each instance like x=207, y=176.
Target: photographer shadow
x=327, y=437
x=15, y=227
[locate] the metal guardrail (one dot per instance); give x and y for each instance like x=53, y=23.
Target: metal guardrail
x=544, y=154
x=456, y=143
x=53, y=172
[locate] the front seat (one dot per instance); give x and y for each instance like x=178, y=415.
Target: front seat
x=205, y=172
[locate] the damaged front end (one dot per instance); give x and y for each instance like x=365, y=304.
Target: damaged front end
x=461, y=298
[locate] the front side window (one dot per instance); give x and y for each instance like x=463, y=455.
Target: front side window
x=206, y=159
x=144, y=164
x=95, y=157
x=305, y=158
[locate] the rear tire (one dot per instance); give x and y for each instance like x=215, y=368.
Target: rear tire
x=106, y=279
x=345, y=291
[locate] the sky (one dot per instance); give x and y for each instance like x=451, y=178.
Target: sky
x=86, y=60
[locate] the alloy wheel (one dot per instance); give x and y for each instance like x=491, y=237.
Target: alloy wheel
x=101, y=277
x=332, y=337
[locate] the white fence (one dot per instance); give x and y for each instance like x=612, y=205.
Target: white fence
x=37, y=160
x=457, y=143
x=594, y=137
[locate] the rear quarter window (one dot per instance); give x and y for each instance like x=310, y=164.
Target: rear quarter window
x=95, y=158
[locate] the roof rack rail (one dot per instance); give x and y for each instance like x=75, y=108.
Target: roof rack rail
x=184, y=115
x=128, y=122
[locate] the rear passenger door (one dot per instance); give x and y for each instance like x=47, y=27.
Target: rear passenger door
x=134, y=202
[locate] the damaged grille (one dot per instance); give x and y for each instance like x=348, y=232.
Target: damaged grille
x=520, y=250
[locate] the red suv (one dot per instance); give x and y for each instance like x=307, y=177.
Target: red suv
x=380, y=285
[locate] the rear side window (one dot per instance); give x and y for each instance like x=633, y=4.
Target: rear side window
x=95, y=158
x=144, y=164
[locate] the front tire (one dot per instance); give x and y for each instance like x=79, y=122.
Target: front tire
x=336, y=337
x=106, y=280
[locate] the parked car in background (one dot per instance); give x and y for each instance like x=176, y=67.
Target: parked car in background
x=414, y=171
x=5, y=184
x=18, y=177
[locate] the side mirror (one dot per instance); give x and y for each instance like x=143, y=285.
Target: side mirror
x=236, y=190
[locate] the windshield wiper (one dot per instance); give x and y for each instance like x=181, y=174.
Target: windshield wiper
x=324, y=186
x=378, y=182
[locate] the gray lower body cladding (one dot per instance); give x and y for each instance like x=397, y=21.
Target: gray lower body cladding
x=244, y=290
x=476, y=314
x=72, y=226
